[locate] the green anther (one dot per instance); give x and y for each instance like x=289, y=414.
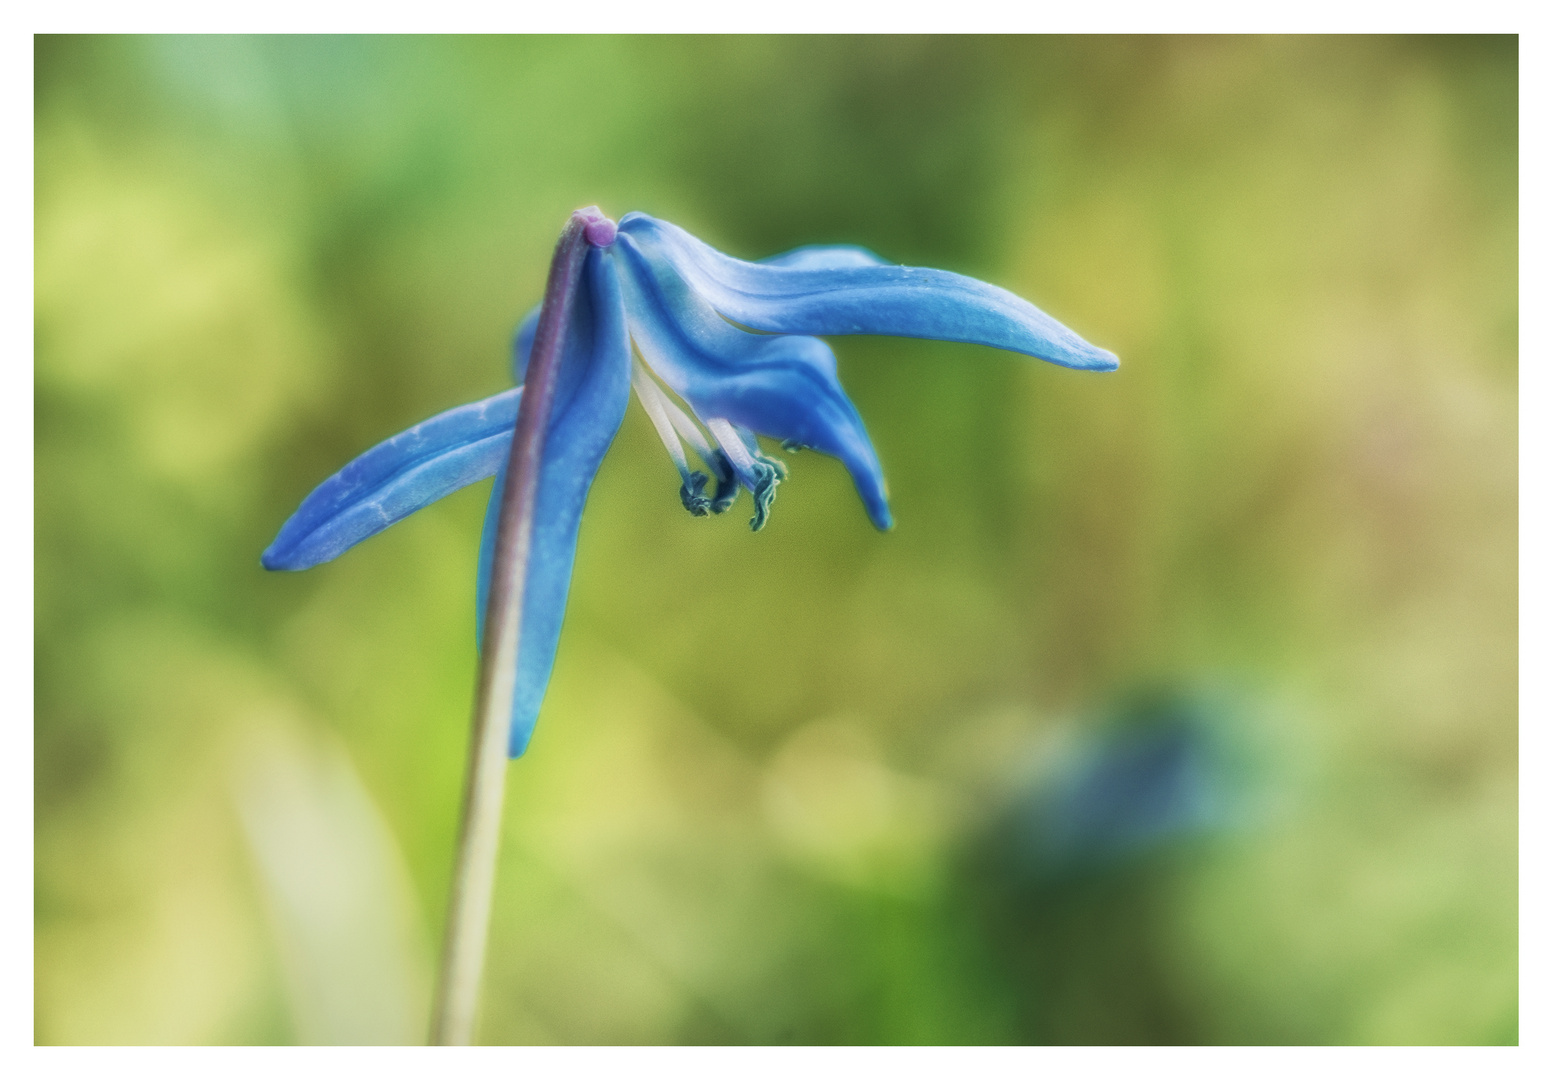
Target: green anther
x=768, y=474
x=727, y=483
x=692, y=498
x=776, y=464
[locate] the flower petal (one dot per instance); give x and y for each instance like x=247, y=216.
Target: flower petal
x=396, y=478
x=812, y=295
x=825, y=257
x=593, y=387
x=784, y=386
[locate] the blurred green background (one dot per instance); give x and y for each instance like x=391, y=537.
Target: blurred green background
x=782, y=787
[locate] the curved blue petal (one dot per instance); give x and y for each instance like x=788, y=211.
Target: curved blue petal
x=813, y=296
x=825, y=257
x=783, y=386
x=396, y=478
x=593, y=386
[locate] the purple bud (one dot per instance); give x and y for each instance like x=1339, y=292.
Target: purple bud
x=599, y=229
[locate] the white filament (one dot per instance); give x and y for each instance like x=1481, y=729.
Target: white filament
x=657, y=405
x=687, y=428
x=732, y=445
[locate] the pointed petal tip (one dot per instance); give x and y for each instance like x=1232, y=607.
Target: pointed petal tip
x=273, y=559
x=518, y=740
x=879, y=514
x=1082, y=357
x=1105, y=361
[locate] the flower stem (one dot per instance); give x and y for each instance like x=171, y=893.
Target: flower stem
x=474, y=871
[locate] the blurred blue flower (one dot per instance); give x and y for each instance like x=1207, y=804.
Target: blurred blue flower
x=1158, y=776
x=726, y=353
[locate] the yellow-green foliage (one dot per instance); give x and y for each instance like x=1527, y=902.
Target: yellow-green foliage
x=760, y=802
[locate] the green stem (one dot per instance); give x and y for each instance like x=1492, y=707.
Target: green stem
x=474, y=872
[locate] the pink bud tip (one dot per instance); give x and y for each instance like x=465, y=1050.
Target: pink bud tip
x=599, y=230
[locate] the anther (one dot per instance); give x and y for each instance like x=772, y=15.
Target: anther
x=767, y=475
x=727, y=482
x=690, y=494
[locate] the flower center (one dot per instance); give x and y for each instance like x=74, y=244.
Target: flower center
x=734, y=461
x=756, y=471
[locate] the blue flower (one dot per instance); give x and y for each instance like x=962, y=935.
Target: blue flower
x=726, y=352
x=1160, y=773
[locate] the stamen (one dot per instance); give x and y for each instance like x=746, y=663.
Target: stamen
x=756, y=471
x=717, y=463
x=733, y=446
x=647, y=393
x=765, y=491
x=691, y=497
x=727, y=482
x=686, y=427
x=658, y=411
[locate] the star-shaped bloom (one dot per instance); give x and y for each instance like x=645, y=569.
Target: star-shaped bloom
x=725, y=351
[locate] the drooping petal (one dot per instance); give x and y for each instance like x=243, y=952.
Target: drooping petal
x=784, y=387
x=396, y=478
x=807, y=294
x=593, y=386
